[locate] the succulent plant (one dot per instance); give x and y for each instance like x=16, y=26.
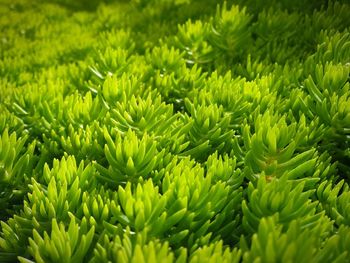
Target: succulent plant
x=174, y=131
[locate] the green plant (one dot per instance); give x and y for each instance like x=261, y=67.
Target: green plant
x=174, y=131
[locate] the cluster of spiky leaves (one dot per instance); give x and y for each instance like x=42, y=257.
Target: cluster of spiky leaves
x=174, y=131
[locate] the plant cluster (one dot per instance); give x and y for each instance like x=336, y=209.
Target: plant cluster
x=174, y=131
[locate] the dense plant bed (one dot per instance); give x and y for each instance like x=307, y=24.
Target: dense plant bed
x=174, y=131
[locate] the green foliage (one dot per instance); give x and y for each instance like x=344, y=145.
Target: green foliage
x=129, y=248
x=271, y=244
x=215, y=253
x=281, y=198
x=174, y=131
x=16, y=168
x=143, y=116
x=62, y=245
x=129, y=157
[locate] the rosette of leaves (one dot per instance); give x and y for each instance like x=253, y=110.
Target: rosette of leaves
x=334, y=200
x=70, y=122
x=185, y=210
x=230, y=32
x=176, y=140
x=9, y=121
x=84, y=144
x=210, y=131
x=232, y=94
x=242, y=100
x=332, y=47
x=220, y=39
x=284, y=199
x=54, y=118
x=151, y=116
x=192, y=37
x=271, y=244
x=82, y=110
x=29, y=107
x=340, y=211
x=95, y=208
x=133, y=248
x=165, y=66
x=63, y=195
x=164, y=60
x=61, y=245
x=129, y=248
x=53, y=198
x=211, y=208
x=176, y=88
x=120, y=89
x=223, y=168
x=108, y=63
x=278, y=148
x=329, y=98
x=129, y=157
x=17, y=161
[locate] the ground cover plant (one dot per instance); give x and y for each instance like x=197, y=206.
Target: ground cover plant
x=174, y=131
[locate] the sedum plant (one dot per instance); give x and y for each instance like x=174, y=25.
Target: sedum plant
x=62, y=245
x=174, y=131
x=16, y=167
